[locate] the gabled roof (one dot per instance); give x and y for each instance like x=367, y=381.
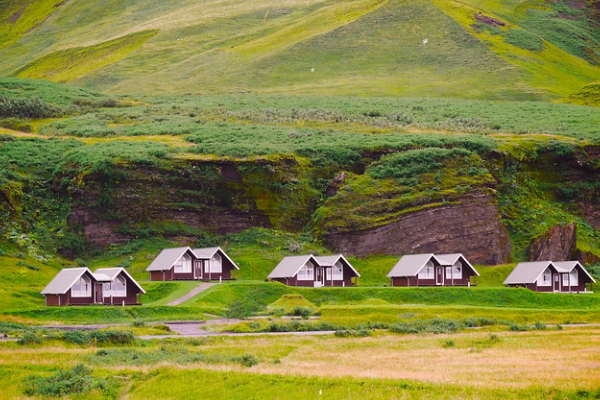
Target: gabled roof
x=289, y=266
x=207, y=253
x=411, y=264
x=165, y=260
x=527, y=272
x=64, y=280
x=568, y=266
x=330, y=260
x=112, y=273
x=451, y=259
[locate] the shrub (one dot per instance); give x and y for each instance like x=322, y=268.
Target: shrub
x=353, y=333
x=29, y=338
x=248, y=360
x=27, y=108
x=138, y=323
x=433, y=326
x=518, y=328
x=449, y=343
x=110, y=336
x=539, y=326
x=65, y=382
x=303, y=312
x=524, y=39
x=494, y=338
x=162, y=327
x=113, y=337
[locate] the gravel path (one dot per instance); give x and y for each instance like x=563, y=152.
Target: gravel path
x=198, y=289
x=207, y=334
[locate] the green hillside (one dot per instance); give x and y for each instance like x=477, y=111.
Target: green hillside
x=545, y=50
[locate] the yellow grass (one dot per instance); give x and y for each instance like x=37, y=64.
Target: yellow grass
x=567, y=359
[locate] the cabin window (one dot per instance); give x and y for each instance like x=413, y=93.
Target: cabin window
x=574, y=278
x=306, y=273
x=184, y=264
x=120, y=287
x=545, y=279
x=116, y=288
x=338, y=271
x=427, y=272
x=455, y=272
x=82, y=287
x=216, y=264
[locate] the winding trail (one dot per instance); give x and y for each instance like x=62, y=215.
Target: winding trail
x=195, y=291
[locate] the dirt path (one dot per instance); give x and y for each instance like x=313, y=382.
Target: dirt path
x=198, y=289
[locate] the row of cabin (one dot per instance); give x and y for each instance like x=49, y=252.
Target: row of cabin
x=184, y=263
x=80, y=286
x=550, y=276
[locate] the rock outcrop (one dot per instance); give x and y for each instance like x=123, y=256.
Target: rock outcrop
x=213, y=196
x=558, y=243
x=471, y=226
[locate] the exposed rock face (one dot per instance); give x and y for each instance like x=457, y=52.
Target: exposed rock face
x=484, y=19
x=558, y=243
x=471, y=227
x=218, y=197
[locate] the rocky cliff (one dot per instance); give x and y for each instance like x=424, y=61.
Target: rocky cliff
x=470, y=226
x=187, y=196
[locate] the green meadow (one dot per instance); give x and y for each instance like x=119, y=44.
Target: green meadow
x=269, y=129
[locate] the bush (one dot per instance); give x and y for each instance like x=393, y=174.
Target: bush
x=76, y=337
x=248, y=360
x=474, y=322
x=494, y=338
x=303, y=312
x=524, y=39
x=27, y=108
x=433, y=326
x=29, y=338
x=65, y=382
x=138, y=323
x=539, y=326
x=518, y=328
x=104, y=337
x=449, y=343
x=353, y=333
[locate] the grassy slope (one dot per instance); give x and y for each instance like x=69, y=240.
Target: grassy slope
x=318, y=47
x=67, y=65
x=48, y=92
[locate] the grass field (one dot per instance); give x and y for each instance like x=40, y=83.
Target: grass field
x=473, y=364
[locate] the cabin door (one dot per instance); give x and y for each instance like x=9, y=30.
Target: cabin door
x=556, y=282
x=99, y=295
x=319, y=277
x=198, y=269
x=439, y=276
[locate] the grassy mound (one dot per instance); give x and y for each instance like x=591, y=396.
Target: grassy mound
x=288, y=302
